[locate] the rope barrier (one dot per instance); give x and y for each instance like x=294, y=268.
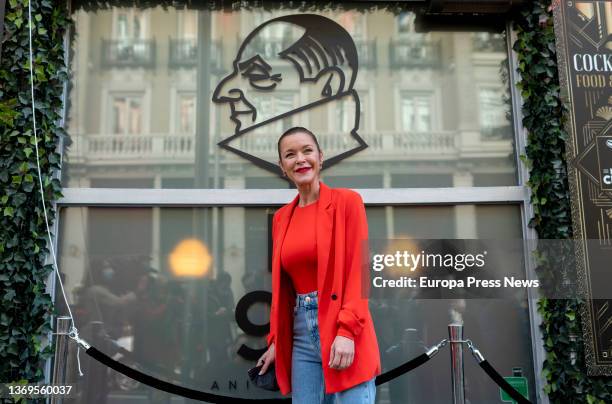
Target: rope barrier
x=169, y=387
x=215, y=398
x=495, y=376
x=410, y=365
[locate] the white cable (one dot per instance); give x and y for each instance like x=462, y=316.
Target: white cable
x=42, y=193
x=79, y=360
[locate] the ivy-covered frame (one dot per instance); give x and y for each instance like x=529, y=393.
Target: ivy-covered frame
x=25, y=305
x=26, y=308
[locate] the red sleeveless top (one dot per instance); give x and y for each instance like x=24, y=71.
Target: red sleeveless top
x=299, y=250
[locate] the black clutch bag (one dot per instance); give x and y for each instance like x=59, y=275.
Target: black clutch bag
x=267, y=381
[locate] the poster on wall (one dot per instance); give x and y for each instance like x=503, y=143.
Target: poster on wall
x=583, y=32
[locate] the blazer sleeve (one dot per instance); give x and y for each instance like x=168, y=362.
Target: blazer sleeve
x=271, y=337
x=354, y=309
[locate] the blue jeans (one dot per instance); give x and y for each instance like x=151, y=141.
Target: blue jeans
x=306, y=369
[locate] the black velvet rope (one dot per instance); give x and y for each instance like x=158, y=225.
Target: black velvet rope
x=172, y=388
x=401, y=369
x=501, y=382
x=216, y=398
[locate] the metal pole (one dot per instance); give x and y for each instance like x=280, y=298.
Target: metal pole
x=455, y=336
x=61, y=354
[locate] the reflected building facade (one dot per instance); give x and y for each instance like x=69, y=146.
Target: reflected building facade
x=434, y=110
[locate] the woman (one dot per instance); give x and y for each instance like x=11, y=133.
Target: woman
x=322, y=338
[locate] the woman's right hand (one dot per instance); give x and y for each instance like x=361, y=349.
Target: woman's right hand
x=266, y=359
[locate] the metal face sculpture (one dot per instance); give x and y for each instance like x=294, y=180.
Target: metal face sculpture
x=316, y=55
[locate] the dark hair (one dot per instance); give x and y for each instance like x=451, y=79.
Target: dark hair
x=324, y=44
x=292, y=131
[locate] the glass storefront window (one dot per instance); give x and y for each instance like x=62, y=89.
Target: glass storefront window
x=158, y=289
x=421, y=99
x=183, y=98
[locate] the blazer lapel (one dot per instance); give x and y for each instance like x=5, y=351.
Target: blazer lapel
x=283, y=225
x=277, y=242
x=325, y=226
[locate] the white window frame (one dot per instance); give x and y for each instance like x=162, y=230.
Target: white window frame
x=107, y=107
x=175, y=113
x=436, y=122
x=145, y=33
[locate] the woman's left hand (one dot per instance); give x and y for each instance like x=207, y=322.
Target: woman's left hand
x=342, y=353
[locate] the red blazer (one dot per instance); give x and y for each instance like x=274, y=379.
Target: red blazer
x=342, y=232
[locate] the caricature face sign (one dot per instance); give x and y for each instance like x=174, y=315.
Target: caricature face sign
x=318, y=55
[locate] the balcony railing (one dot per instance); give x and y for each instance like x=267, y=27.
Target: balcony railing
x=184, y=53
x=137, y=148
x=128, y=53
x=180, y=148
x=414, y=53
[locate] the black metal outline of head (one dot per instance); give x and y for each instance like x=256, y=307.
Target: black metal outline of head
x=325, y=48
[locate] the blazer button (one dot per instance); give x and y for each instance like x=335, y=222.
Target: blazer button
x=333, y=296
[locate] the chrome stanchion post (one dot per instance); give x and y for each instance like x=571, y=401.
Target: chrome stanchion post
x=455, y=337
x=62, y=328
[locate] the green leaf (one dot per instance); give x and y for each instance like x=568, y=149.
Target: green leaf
x=8, y=211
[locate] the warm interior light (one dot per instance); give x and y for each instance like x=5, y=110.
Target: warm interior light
x=190, y=258
x=401, y=243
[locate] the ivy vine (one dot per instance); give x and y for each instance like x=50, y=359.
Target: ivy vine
x=25, y=306
x=566, y=379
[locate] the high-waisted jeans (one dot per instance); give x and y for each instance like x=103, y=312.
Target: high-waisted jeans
x=306, y=367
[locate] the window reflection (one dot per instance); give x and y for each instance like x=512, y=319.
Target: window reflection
x=416, y=111
x=158, y=289
x=187, y=114
x=437, y=96
x=494, y=121
x=405, y=23
x=127, y=115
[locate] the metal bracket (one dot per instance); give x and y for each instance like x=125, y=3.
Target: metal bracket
x=74, y=335
x=433, y=351
x=475, y=352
